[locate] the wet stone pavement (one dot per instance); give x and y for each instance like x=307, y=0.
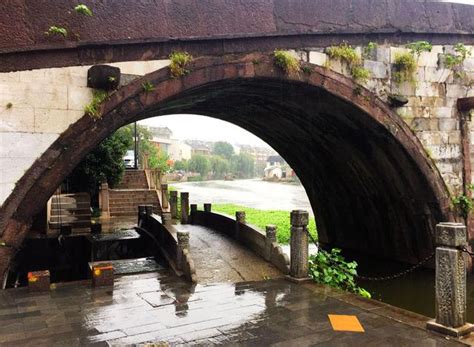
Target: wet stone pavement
x=218, y=258
x=159, y=307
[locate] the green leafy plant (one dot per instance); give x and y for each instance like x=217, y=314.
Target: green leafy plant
x=148, y=87
x=179, y=62
x=455, y=61
x=463, y=203
x=344, y=53
x=347, y=54
x=84, y=10
x=307, y=70
x=369, y=49
x=286, y=61
x=405, y=67
x=360, y=74
x=417, y=47
x=332, y=269
x=92, y=109
x=56, y=30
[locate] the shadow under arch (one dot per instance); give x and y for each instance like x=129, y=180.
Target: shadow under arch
x=367, y=176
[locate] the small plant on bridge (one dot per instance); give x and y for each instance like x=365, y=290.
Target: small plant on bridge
x=179, y=63
x=456, y=60
x=348, y=55
x=84, y=10
x=92, y=109
x=148, y=87
x=369, y=50
x=332, y=269
x=56, y=31
x=405, y=68
x=464, y=204
x=418, y=47
x=286, y=61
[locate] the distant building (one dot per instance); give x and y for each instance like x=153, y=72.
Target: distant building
x=259, y=154
x=162, y=139
x=200, y=147
x=276, y=167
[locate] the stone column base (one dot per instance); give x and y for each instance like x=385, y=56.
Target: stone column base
x=298, y=280
x=457, y=332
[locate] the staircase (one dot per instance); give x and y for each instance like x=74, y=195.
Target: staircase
x=132, y=191
x=70, y=210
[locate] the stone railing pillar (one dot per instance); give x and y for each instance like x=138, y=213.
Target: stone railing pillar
x=299, y=246
x=166, y=218
x=183, y=244
x=164, y=196
x=194, y=208
x=148, y=210
x=239, y=219
x=450, y=281
x=104, y=203
x=207, y=207
x=184, y=208
x=270, y=231
x=174, y=204
x=141, y=214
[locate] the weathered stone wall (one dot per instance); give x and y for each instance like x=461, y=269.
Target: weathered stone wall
x=431, y=110
x=38, y=105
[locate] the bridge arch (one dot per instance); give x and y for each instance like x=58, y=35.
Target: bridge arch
x=369, y=180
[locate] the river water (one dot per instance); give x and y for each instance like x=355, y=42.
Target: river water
x=414, y=292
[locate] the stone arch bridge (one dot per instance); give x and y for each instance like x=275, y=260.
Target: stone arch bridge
x=379, y=176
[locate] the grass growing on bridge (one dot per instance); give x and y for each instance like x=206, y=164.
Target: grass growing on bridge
x=261, y=218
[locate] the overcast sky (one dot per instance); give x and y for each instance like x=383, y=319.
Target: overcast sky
x=194, y=127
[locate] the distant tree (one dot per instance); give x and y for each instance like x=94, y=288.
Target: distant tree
x=223, y=149
x=181, y=165
x=199, y=163
x=219, y=166
x=242, y=165
x=103, y=164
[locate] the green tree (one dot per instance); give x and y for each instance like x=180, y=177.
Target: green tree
x=181, y=165
x=219, y=166
x=103, y=164
x=242, y=165
x=199, y=163
x=223, y=149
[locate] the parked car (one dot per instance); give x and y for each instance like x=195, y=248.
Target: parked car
x=129, y=160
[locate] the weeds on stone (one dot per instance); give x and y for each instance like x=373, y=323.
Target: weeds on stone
x=179, y=63
x=148, y=87
x=307, y=70
x=348, y=55
x=56, y=31
x=405, y=68
x=92, y=109
x=369, y=50
x=456, y=60
x=286, y=61
x=464, y=203
x=417, y=47
x=84, y=10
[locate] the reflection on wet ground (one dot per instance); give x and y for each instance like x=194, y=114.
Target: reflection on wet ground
x=160, y=307
x=253, y=193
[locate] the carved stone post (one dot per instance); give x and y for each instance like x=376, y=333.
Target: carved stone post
x=166, y=218
x=270, y=231
x=164, y=196
x=148, y=210
x=239, y=219
x=104, y=203
x=194, y=208
x=184, y=208
x=207, y=207
x=174, y=204
x=299, y=246
x=450, y=281
x=183, y=243
x=141, y=214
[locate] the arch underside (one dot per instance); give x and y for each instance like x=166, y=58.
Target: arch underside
x=367, y=177
x=366, y=193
